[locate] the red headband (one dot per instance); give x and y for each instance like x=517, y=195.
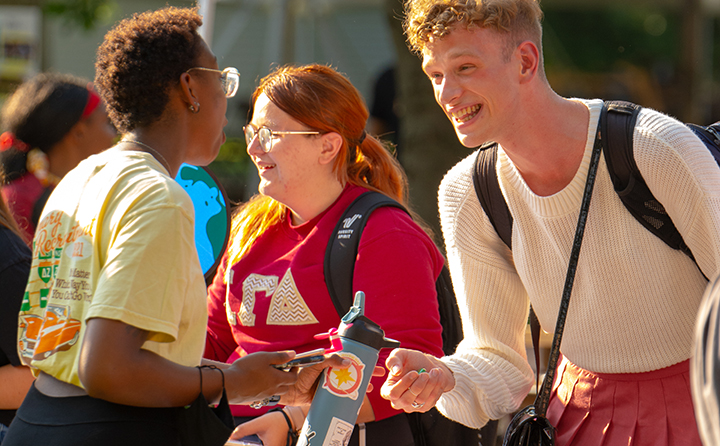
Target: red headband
x=8, y=140
x=92, y=102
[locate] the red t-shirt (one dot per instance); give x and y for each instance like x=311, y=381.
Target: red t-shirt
x=281, y=283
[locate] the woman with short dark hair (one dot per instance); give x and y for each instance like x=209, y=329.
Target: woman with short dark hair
x=115, y=315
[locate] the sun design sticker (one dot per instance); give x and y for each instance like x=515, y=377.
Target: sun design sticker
x=345, y=382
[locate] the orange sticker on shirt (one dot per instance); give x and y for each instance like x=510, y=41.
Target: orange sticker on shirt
x=345, y=382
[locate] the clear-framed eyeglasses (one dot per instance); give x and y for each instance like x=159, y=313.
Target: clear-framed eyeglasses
x=265, y=135
x=229, y=78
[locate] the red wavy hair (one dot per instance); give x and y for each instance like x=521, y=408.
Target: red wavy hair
x=324, y=100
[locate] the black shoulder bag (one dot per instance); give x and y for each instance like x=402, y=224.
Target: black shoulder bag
x=529, y=427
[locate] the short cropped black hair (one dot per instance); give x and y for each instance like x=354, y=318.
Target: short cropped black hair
x=141, y=58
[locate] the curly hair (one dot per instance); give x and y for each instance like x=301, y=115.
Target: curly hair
x=39, y=114
x=426, y=19
x=141, y=58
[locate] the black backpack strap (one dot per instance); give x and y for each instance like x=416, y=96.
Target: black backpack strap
x=617, y=125
x=710, y=136
x=617, y=121
x=452, y=332
x=488, y=192
x=493, y=203
x=342, y=247
x=340, y=258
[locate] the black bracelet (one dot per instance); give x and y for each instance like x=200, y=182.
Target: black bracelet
x=212, y=367
x=292, y=436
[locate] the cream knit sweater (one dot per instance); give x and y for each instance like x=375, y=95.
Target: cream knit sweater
x=634, y=300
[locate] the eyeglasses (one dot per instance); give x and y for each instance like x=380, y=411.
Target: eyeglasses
x=265, y=135
x=229, y=78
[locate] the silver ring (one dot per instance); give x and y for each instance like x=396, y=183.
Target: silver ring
x=416, y=405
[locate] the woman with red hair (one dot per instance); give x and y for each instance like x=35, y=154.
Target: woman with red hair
x=306, y=137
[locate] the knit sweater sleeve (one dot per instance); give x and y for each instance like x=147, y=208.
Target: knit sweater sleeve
x=683, y=175
x=490, y=366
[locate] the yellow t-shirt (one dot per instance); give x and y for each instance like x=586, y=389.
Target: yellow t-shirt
x=116, y=241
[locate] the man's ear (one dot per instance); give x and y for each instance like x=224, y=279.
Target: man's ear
x=331, y=144
x=528, y=55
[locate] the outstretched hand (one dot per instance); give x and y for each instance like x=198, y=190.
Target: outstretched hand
x=253, y=377
x=416, y=381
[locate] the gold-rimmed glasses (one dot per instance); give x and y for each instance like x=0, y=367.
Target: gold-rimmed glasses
x=265, y=135
x=229, y=78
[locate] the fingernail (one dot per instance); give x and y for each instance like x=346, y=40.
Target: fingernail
x=396, y=370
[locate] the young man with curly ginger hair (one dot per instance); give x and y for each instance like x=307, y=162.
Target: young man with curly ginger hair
x=623, y=373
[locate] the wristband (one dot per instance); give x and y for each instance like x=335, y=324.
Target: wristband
x=292, y=436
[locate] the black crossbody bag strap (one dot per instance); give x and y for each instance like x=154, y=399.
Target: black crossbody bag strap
x=543, y=397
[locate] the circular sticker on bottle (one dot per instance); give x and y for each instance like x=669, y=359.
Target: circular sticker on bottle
x=345, y=382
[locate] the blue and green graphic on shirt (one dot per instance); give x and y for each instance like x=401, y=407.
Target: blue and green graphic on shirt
x=212, y=219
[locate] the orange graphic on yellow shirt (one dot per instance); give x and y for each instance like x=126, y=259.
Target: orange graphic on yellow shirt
x=30, y=325
x=345, y=382
x=59, y=332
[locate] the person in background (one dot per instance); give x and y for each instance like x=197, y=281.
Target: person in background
x=116, y=283
x=624, y=373
x=384, y=120
x=50, y=123
x=306, y=137
x=15, y=378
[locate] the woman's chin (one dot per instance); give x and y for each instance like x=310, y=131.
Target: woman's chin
x=265, y=188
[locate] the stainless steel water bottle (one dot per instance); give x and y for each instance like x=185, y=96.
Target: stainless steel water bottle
x=341, y=391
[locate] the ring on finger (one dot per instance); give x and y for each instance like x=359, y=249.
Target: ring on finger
x=416, y=405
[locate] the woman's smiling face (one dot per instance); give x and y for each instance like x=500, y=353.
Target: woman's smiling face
x=292, y=163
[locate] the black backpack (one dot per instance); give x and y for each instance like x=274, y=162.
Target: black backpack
x=429, y=428
x=617, y=124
